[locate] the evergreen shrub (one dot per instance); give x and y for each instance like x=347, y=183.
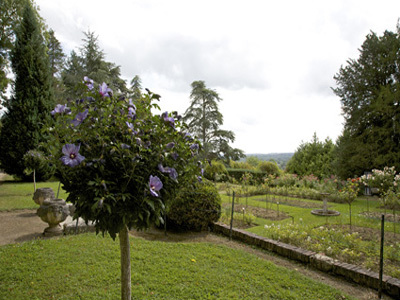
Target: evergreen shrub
x=195, y=207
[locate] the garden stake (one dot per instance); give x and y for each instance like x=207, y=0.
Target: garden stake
x=34, y=180
x=58, y=190
x=233, y=207
x=266, y=202
x=381, y=257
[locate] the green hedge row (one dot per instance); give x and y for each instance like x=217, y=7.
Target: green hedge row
x=258, y=177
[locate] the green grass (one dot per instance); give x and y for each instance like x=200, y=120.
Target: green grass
x=18, y=195
x=88, y=267
x=363, y=252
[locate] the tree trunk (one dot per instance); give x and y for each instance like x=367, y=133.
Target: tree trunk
x=125, y=264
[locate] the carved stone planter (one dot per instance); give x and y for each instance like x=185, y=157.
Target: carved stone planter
x=53, y=212
x=42, y=194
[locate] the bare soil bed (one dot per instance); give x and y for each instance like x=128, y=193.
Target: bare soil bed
x=259, y=212
x=389, y=217
x=292, y=202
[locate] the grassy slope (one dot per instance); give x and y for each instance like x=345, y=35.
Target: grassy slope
x=87, y=267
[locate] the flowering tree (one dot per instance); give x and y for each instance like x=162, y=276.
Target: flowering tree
x=350, y=192
x=119, y=162
x=386, y=181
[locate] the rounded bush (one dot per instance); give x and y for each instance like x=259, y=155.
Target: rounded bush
x=216, y=171
x=195, y=208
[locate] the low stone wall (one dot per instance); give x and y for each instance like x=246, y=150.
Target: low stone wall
x=391, y=286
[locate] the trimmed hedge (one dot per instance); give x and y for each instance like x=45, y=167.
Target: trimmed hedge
x=195, y=207
x=237, y=174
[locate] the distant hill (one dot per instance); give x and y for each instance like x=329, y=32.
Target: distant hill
x=280, y=158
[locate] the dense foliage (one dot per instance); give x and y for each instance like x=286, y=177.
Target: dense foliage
x=204, y=120
x=215, y=171
x=369, y=90
x=313, y=158
x=119, y=162
x=32, y=101
x=196, y=207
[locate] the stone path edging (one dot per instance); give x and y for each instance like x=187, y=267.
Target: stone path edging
x=391, y=286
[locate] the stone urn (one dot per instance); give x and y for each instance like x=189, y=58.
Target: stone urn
x=42, y=194
x=53, y=212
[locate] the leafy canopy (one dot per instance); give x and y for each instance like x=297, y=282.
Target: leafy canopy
x=119, y=162
x=369, y=90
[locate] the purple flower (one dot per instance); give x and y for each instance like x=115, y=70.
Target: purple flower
x=188, y=136
x=170, y=145
x=130, y=127
x=59, y=109
x=71, y=156
x=131, y=112
x=104, y=90
x=194, y=147
x=79, y=118
x=161, y=168
x=169, y=120
x=88, y=82
x=155, y=185
x=125, y=146
x=199, y=179
x=175, y=155
x=173, y=174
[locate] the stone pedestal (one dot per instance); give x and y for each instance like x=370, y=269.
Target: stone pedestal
x=53, y=212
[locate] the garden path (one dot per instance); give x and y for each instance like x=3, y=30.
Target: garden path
x=24, y=225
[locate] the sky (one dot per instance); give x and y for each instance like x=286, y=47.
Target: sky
x=271, y=62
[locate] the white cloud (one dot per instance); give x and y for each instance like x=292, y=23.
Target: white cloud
x=272, y=62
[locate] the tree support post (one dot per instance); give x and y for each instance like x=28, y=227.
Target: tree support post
x=381, y=258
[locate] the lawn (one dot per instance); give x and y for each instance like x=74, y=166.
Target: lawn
x=18, y=195
x=331, y=236
x=87, y=267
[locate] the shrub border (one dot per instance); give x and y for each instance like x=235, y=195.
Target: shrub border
x=391, y=286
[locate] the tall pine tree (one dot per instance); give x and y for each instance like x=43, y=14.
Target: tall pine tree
x=32, y=100
x=204, y=120
x=90, y=61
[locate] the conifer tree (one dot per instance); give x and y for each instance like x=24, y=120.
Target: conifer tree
x=90, y=62
x=32, y=100
x=204, y=120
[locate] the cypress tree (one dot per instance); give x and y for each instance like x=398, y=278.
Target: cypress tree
x=32, y=98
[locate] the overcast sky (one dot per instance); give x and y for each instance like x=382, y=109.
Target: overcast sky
x=272, y=62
